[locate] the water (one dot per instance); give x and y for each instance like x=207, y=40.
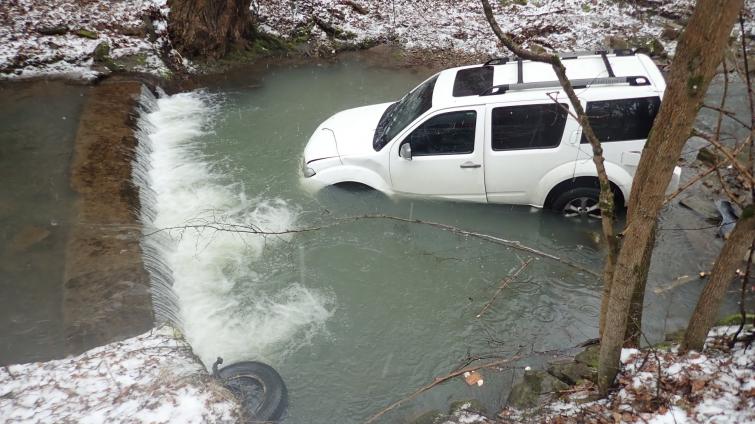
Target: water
x=37, y=126
x=360, y=313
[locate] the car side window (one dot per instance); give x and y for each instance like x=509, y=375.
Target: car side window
x=622, y=120
x=450, y=133
x=528, y=127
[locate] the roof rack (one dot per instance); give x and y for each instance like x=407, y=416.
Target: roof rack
x=566, y=55
x=576, y=83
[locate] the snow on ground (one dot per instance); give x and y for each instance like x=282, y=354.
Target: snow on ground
x=44, y=37
x=715, y=386
x=59, y=36
x=564, y=25
x=152, y=378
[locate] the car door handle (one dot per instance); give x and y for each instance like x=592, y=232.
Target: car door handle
x=470, y=165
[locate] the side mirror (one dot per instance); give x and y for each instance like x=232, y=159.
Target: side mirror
x=405, y=151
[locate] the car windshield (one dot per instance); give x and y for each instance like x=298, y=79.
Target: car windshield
x=402, y=113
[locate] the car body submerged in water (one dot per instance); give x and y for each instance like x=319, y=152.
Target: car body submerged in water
x=501, y=132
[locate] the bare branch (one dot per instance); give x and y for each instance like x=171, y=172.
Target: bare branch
x=707, y=172
x=730, y=114
x=742, y=294
x=710, y=138
x=244, y=229
x=607, y=206
x=505, y=282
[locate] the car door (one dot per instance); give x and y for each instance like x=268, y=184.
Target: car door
x=446, y=156
x=526, y=141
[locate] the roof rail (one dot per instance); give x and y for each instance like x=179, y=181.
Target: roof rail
x=565, y=55
x=576, y=83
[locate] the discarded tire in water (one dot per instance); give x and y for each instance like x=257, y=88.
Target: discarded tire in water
x=259, y=388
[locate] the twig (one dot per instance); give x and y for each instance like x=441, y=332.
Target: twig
x=751, y=156
x=742, y=309
x=245, y=229
x=727, y=153
x=707, y=172
x=437, y=381
x=505, y=282
x=729, y=114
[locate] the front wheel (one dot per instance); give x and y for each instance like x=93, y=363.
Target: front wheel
x=579, y=201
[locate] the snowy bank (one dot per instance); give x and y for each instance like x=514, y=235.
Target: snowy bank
x=152, y=378
x=660, y=385
x=59, y=37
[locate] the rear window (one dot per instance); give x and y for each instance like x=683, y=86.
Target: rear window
x=473, y=81
x=528, y=127
x=622, y=120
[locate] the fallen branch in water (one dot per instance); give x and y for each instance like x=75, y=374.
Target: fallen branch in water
x=252, y=229
x=505, y=282
x=440, y=380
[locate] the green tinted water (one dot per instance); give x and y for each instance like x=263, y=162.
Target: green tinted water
x=403, y=297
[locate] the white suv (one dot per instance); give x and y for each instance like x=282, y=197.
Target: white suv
x=498, y=133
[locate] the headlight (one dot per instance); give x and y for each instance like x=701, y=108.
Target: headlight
x=307, y=171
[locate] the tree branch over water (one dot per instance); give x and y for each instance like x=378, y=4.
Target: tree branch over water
x=253, y=229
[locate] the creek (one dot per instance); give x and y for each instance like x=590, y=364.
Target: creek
x=358, y=314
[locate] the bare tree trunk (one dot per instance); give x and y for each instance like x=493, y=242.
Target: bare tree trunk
x=209, y=29
x=698, y=54
x=607, y=206
x=722, y=274
x=634, y=321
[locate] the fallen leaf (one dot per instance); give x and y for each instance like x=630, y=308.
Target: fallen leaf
x=698, y=385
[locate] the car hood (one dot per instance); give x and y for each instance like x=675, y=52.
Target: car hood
x=354, y=128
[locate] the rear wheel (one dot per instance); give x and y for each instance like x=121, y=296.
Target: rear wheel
x=579, y=201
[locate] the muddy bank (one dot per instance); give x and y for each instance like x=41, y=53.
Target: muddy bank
x=106, y=294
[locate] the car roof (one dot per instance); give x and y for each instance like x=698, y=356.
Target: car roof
x=587, y=66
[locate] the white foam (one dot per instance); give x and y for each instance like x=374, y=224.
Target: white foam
x=223, y=306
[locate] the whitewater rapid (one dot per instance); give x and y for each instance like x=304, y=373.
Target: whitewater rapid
x=208, y=282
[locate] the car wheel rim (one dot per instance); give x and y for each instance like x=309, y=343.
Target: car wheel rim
x=582, y=206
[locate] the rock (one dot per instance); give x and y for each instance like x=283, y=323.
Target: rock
x=589, y=356
x=28, y=237
x=648, y=45
x=466, y=412
x=53, y=30
x=734, y=319
x=101, y=57
x=616, y=42
x=676, y=336
x=526, y=393
x=671, y=31
x=572, y=372
x=356, y=6
x=473, y=405
x=85, y=33
x=703, y=207
x=706, y=156
x=101, y=53
x=430, y=417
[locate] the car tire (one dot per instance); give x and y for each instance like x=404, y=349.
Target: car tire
x=241, y=377
x=578, y=202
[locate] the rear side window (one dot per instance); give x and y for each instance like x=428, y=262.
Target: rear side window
x=473, y=81
x=528, y=127
x=446, y=134
x=622, y=120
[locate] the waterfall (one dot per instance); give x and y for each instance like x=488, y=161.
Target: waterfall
x=212, y=284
